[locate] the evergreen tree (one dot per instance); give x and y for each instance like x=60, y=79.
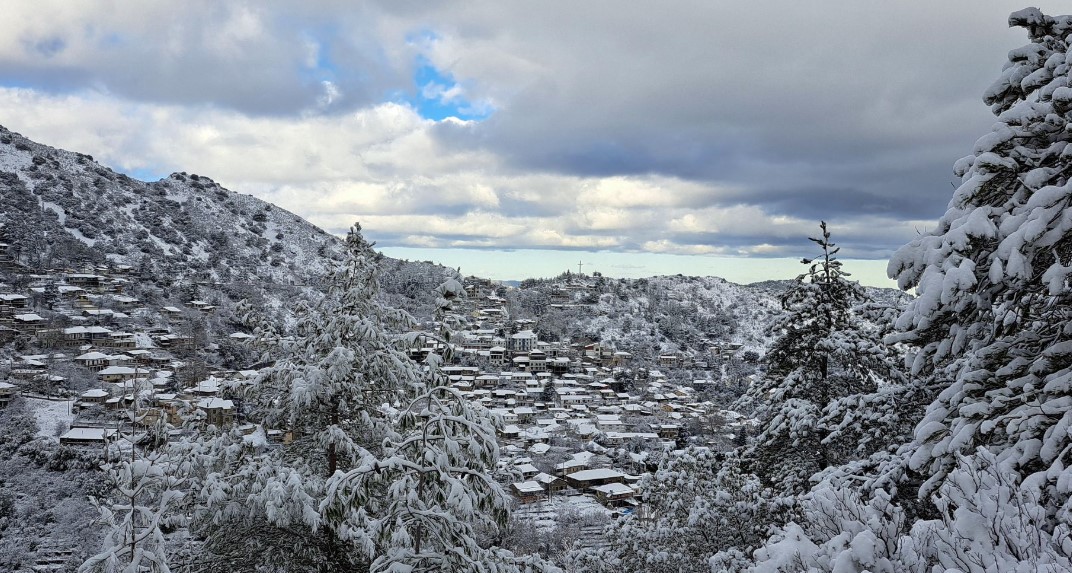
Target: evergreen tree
x=133, y=515
x=698, y=504
x=993, y=317
x=823, y=352
x=992, y=342
x=144, y=488
x=328, y=394
x=419, y=505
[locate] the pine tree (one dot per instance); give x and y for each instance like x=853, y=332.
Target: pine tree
x=698, y=504
x=145, y=489
x=823, y=352
x=992, y=344
x=993, y=317
x=328, y=394
x=419, y=505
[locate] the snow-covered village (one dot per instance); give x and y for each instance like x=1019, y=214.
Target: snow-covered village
x=553, y=289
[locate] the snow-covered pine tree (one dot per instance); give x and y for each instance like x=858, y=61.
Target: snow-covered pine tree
x=993, y=346
x=263, y=502
x=145, y=489
x=418, y=505
x=822, y=352
x=993, y=317
x=698, y=504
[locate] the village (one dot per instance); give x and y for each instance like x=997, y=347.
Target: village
x=579, y=421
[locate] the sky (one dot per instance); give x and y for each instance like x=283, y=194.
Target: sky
x=516, y=139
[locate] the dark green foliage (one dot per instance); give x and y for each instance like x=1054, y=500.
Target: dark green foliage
x=823, y=352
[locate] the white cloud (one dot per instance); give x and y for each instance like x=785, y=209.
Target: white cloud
x=694, y=129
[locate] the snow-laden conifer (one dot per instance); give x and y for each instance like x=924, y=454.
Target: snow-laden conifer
x=823, y=352
x=698, y=504
x=993, y=319
x=417, y=505
x=144, y=490
x=326, y=394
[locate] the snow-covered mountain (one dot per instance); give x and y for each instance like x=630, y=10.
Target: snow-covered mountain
x=63, y=209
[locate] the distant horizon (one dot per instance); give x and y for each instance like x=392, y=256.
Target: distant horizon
x=520, y=264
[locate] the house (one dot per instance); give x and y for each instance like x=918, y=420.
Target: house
x=125, y=302
x=523, y=342
x=539, y=448
x=171, y=312
x=80, y=436
x=619, y=438
x=525, y=415
x=174, y=341
x=550, y=483
x=85, y=280
x=509, y=432
x=669, y=431
x=28, y=322
x=570, y=466
x=89, y=398
x=537, y=361
x=120, y=340
x=613, y=494
x=93, y=360
x=669, y=360
x=119, y=373
x=78, y=335
x=559, y=365
x=527, y=470
x=528, y=491
x=7, y=392
x=588, y=479
x=10, y=301
x=218, y=412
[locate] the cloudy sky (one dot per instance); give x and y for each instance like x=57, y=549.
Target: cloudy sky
x=518, y=138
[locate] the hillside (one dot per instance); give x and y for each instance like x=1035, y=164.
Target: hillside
x=665, y=314
x=64, y=210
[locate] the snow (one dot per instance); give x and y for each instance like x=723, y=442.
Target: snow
x=51, y=414
x=142, y=340
x=57, y=210
x=585, y=475
x=78, y=235
x=544, y=514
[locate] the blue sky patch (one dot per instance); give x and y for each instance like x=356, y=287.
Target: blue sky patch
x=146, y=174
x=436, y=95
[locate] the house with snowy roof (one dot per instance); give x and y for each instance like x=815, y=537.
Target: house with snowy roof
x=522, y=343
x=85, y=280
x=613, y=494
x=585, y=480
x=11, y=301
x=528, y=491
x=94, y=360
x=119, y=373
x=84, y=436
x=218, y=412
x=28, y=323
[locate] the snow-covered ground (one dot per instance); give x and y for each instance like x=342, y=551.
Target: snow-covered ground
x=143, y=340
x=543, y=514
x=51, y=413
